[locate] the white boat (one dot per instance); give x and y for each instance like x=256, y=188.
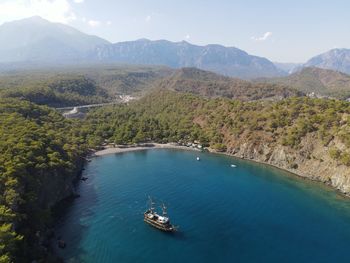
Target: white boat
x=233, y=165
x=198, y=158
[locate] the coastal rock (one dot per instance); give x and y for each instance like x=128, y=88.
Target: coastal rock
x=59, y=187
x=310, y=159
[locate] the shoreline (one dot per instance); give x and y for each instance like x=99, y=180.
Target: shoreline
x=291, y=172
x=141, y=147
x=149, y=146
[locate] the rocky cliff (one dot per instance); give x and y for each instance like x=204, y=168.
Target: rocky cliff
x=311, y=160
x=59, y=186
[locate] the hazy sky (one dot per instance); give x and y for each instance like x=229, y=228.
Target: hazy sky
x=281, y=30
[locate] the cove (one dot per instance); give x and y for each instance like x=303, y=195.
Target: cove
x=251, y=213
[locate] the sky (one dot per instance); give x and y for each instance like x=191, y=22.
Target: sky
x=280, y=30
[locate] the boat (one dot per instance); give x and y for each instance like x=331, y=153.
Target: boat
x=198, y=159
x=233, y=165
x=161, y=222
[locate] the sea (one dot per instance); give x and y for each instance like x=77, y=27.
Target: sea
x=226, y=210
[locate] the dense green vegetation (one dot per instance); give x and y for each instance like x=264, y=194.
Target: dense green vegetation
x=208, y=84
x=322, y=82
x=40, y=154
x=166, y=116
x=71, y=87
x=112, y=79
x=59, y=92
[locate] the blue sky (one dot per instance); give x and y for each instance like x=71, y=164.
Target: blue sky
x=285, y=31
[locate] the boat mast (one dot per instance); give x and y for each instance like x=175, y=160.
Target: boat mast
x=151, y=204
x=165, y=213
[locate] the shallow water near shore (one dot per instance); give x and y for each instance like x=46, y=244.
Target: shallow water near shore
x=251, y=213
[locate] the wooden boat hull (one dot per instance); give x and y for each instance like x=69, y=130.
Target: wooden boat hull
x=165, y=228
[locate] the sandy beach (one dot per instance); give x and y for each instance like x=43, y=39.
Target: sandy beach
x=114, y=150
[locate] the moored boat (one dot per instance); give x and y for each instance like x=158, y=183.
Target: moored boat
x=161, y=222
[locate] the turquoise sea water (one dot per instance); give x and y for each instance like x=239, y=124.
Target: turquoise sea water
x=252, y=213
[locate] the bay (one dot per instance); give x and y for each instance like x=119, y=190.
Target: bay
x=251, y=213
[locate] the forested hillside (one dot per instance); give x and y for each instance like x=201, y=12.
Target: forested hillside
x=310, y=137
x=209, y=84
x=104, y=83
x=41, y=154
x=59, y=92
x=322, y=82
x=65, y=86
x=170, y=116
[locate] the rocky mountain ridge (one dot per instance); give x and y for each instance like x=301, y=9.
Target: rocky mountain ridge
x=36, y=40
x=336, y=59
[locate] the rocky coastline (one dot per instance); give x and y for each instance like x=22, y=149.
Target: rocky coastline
x=310, y=161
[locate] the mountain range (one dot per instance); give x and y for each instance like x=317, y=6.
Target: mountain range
x=36, y=41
x=227, y=61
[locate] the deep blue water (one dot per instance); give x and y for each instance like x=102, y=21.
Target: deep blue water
x=252, y=213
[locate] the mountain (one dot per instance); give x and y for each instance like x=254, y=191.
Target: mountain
x=209, y=84
x=322, y=82
x=228, y=61
x=335, y=59
x=36, y=39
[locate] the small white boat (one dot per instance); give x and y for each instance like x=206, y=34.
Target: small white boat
x=198, y=159
x=233, y=165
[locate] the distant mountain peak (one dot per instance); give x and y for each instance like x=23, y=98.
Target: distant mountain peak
x=142, y=40
x=35, y=18
x=338, y=50
x=31, y=20
x=335, y=59
x=35, y=39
